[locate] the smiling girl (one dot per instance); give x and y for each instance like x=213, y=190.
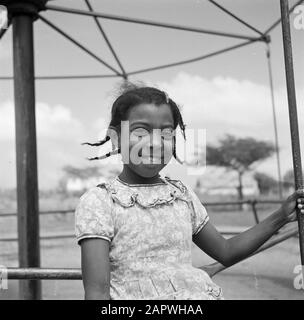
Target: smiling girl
x=136, y=231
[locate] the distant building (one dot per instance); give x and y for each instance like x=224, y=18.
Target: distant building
x=81, y=179
x=78, y=184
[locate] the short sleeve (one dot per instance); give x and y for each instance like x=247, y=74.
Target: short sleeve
x=199, y=215
x=93, y=216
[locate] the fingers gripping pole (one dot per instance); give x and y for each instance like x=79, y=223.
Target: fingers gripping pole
x=293, y=117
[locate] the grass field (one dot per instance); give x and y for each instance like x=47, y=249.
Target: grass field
x=268, y=275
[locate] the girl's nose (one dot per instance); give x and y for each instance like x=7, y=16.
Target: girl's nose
x=157, y=140
x=158, y=145
x=155, y=143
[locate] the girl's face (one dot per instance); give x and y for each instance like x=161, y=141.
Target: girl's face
x=151, y=131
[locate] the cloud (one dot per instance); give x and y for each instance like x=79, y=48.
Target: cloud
x=52, y=122
x=223, y=101
x=58, y=142
x=57, y=123
x=243, y=108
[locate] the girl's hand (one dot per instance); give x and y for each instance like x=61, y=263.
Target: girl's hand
x=288, y=208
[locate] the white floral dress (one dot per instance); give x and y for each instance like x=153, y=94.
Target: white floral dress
x=149, y=228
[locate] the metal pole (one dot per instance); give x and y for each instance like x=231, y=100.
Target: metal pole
x=274, y=122
x=150, y=22
x=293, y=117
x=26, y=154
x=44, y=273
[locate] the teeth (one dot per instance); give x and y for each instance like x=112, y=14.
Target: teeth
x=152, y=159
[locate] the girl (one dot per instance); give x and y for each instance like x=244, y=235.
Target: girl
x=136, y=231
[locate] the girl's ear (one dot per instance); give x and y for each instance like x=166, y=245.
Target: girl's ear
x=114, y=136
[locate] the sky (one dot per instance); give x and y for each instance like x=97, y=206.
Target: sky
x=228, y=93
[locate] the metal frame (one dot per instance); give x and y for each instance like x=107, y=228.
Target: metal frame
x=75, y=274
x=22, y=13
x=262, y=36
x=147, y=22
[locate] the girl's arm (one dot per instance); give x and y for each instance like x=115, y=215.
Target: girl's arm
x=235, y=249
x=95, y=267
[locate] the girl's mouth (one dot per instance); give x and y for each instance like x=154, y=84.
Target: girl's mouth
x=152, y=160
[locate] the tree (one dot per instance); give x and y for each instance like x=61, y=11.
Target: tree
x=289, y=179
x=265, y=182
x=82, y=173
x=239, y=154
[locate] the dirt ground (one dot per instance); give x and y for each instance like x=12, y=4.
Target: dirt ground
x=268, y=275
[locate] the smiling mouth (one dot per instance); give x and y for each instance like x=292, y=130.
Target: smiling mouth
x=151, y=160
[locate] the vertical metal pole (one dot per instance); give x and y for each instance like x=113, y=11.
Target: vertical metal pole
x=293, y=117
x=26, y=154
x=275, y=122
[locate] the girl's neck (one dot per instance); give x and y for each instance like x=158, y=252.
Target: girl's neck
x=129, y=176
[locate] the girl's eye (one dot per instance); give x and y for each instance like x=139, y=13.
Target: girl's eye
x=167, y=134
x=138, y=133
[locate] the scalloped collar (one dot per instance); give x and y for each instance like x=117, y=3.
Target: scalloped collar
x=146, y=195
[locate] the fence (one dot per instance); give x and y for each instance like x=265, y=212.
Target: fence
x=252, y=202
